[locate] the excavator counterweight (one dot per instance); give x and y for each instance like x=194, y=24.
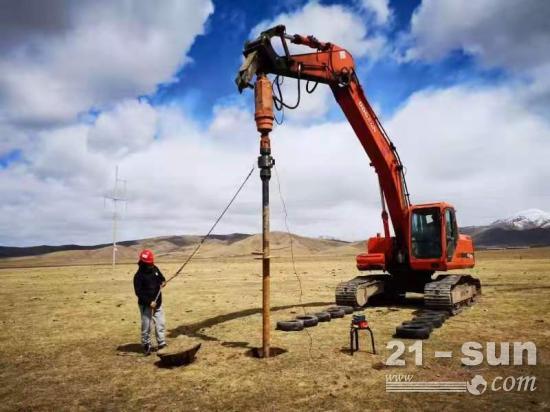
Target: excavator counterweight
x=426, y=237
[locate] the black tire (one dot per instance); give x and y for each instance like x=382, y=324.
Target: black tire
x=421, y=322
x=336, y=313
x=308, y=320
x=323, y=316
x=412, y=332
x=347, y=309
x=290, y=325
x=431, y=312
x=436, y=321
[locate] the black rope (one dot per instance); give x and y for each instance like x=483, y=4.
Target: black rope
x=283, y=203
x=211, y=229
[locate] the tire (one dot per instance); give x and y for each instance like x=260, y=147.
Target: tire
x=347, y=309
x=432, y=316
x=323, y=316
x=424, y=323
x=431, y=312
x=412, y=332
x=290, y=325
x=336, y=313
x=436, y=321
x=308, y=320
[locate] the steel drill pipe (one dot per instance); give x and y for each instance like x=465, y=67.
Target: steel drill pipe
x=264, y=123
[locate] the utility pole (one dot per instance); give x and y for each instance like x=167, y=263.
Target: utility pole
x=263, y=96
x=118, y=195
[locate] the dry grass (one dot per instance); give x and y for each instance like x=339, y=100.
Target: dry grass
x=68, y=335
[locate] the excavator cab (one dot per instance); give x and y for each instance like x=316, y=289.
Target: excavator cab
x=435, y=243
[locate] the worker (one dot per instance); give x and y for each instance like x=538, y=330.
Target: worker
x=148, y=281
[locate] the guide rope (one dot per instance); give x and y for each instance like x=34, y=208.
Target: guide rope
x=285, y=212
x=201, y=242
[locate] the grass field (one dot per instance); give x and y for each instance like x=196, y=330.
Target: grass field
x=70, y=337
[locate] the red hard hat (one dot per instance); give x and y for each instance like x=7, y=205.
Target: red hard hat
x=146, y=256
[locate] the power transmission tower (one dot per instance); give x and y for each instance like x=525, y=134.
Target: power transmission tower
x=118, y=195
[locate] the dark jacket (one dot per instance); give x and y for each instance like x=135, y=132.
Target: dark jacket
x=147, y=281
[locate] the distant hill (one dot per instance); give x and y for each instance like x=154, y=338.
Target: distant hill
x=526, y=228
x=176, y=248
x=523, y=229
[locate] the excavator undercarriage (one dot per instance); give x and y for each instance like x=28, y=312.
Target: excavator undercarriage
x=449, y=293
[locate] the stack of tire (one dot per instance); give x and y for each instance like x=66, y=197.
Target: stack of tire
x=310, y=320
x=422, y=325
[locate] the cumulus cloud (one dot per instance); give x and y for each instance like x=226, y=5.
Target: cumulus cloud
x=379, y=8
x=334, y=23
x=61, y=58
x=510, y=35
x=481, y=149
x=180, y=180
x=453, y=142
x=337, y=24
x=129, y=127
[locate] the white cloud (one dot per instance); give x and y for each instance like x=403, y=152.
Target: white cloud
x=379, y=8
x=64, y=59
x=510, y=34
x=335, y=23
x=129, y=127
x=481, y=150
x=329, y=23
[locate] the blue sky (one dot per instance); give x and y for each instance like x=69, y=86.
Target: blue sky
x=216, y=55
x=149, y=87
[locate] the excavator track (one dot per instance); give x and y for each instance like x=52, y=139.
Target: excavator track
x=357, y=291
x=451, y=292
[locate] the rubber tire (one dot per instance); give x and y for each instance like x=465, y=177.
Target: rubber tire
x=347, y=309
x=323, y=316
x=308, y=320
x=290, y=325
x=436, y=322
x=412, y=332
x=425, y=323
x=442, y=313
x=336, y=313
x=432, y=316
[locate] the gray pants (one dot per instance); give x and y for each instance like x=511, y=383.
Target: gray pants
x=157, y=319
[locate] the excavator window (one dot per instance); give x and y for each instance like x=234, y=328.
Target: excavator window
x=426, y=233
x=451, y=232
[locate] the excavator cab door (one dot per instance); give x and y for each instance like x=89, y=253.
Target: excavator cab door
x=428, y=238
x=426, y=233
x=451, y=233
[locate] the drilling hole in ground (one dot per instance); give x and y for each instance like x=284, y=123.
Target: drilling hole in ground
x=259, y=353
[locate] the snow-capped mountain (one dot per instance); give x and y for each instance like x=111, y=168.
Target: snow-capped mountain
x=526, y=228
x=526, y=219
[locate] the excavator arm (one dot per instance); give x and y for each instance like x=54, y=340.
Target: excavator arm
x=332, y=65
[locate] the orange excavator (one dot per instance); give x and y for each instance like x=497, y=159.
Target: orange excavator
x=426, y=238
